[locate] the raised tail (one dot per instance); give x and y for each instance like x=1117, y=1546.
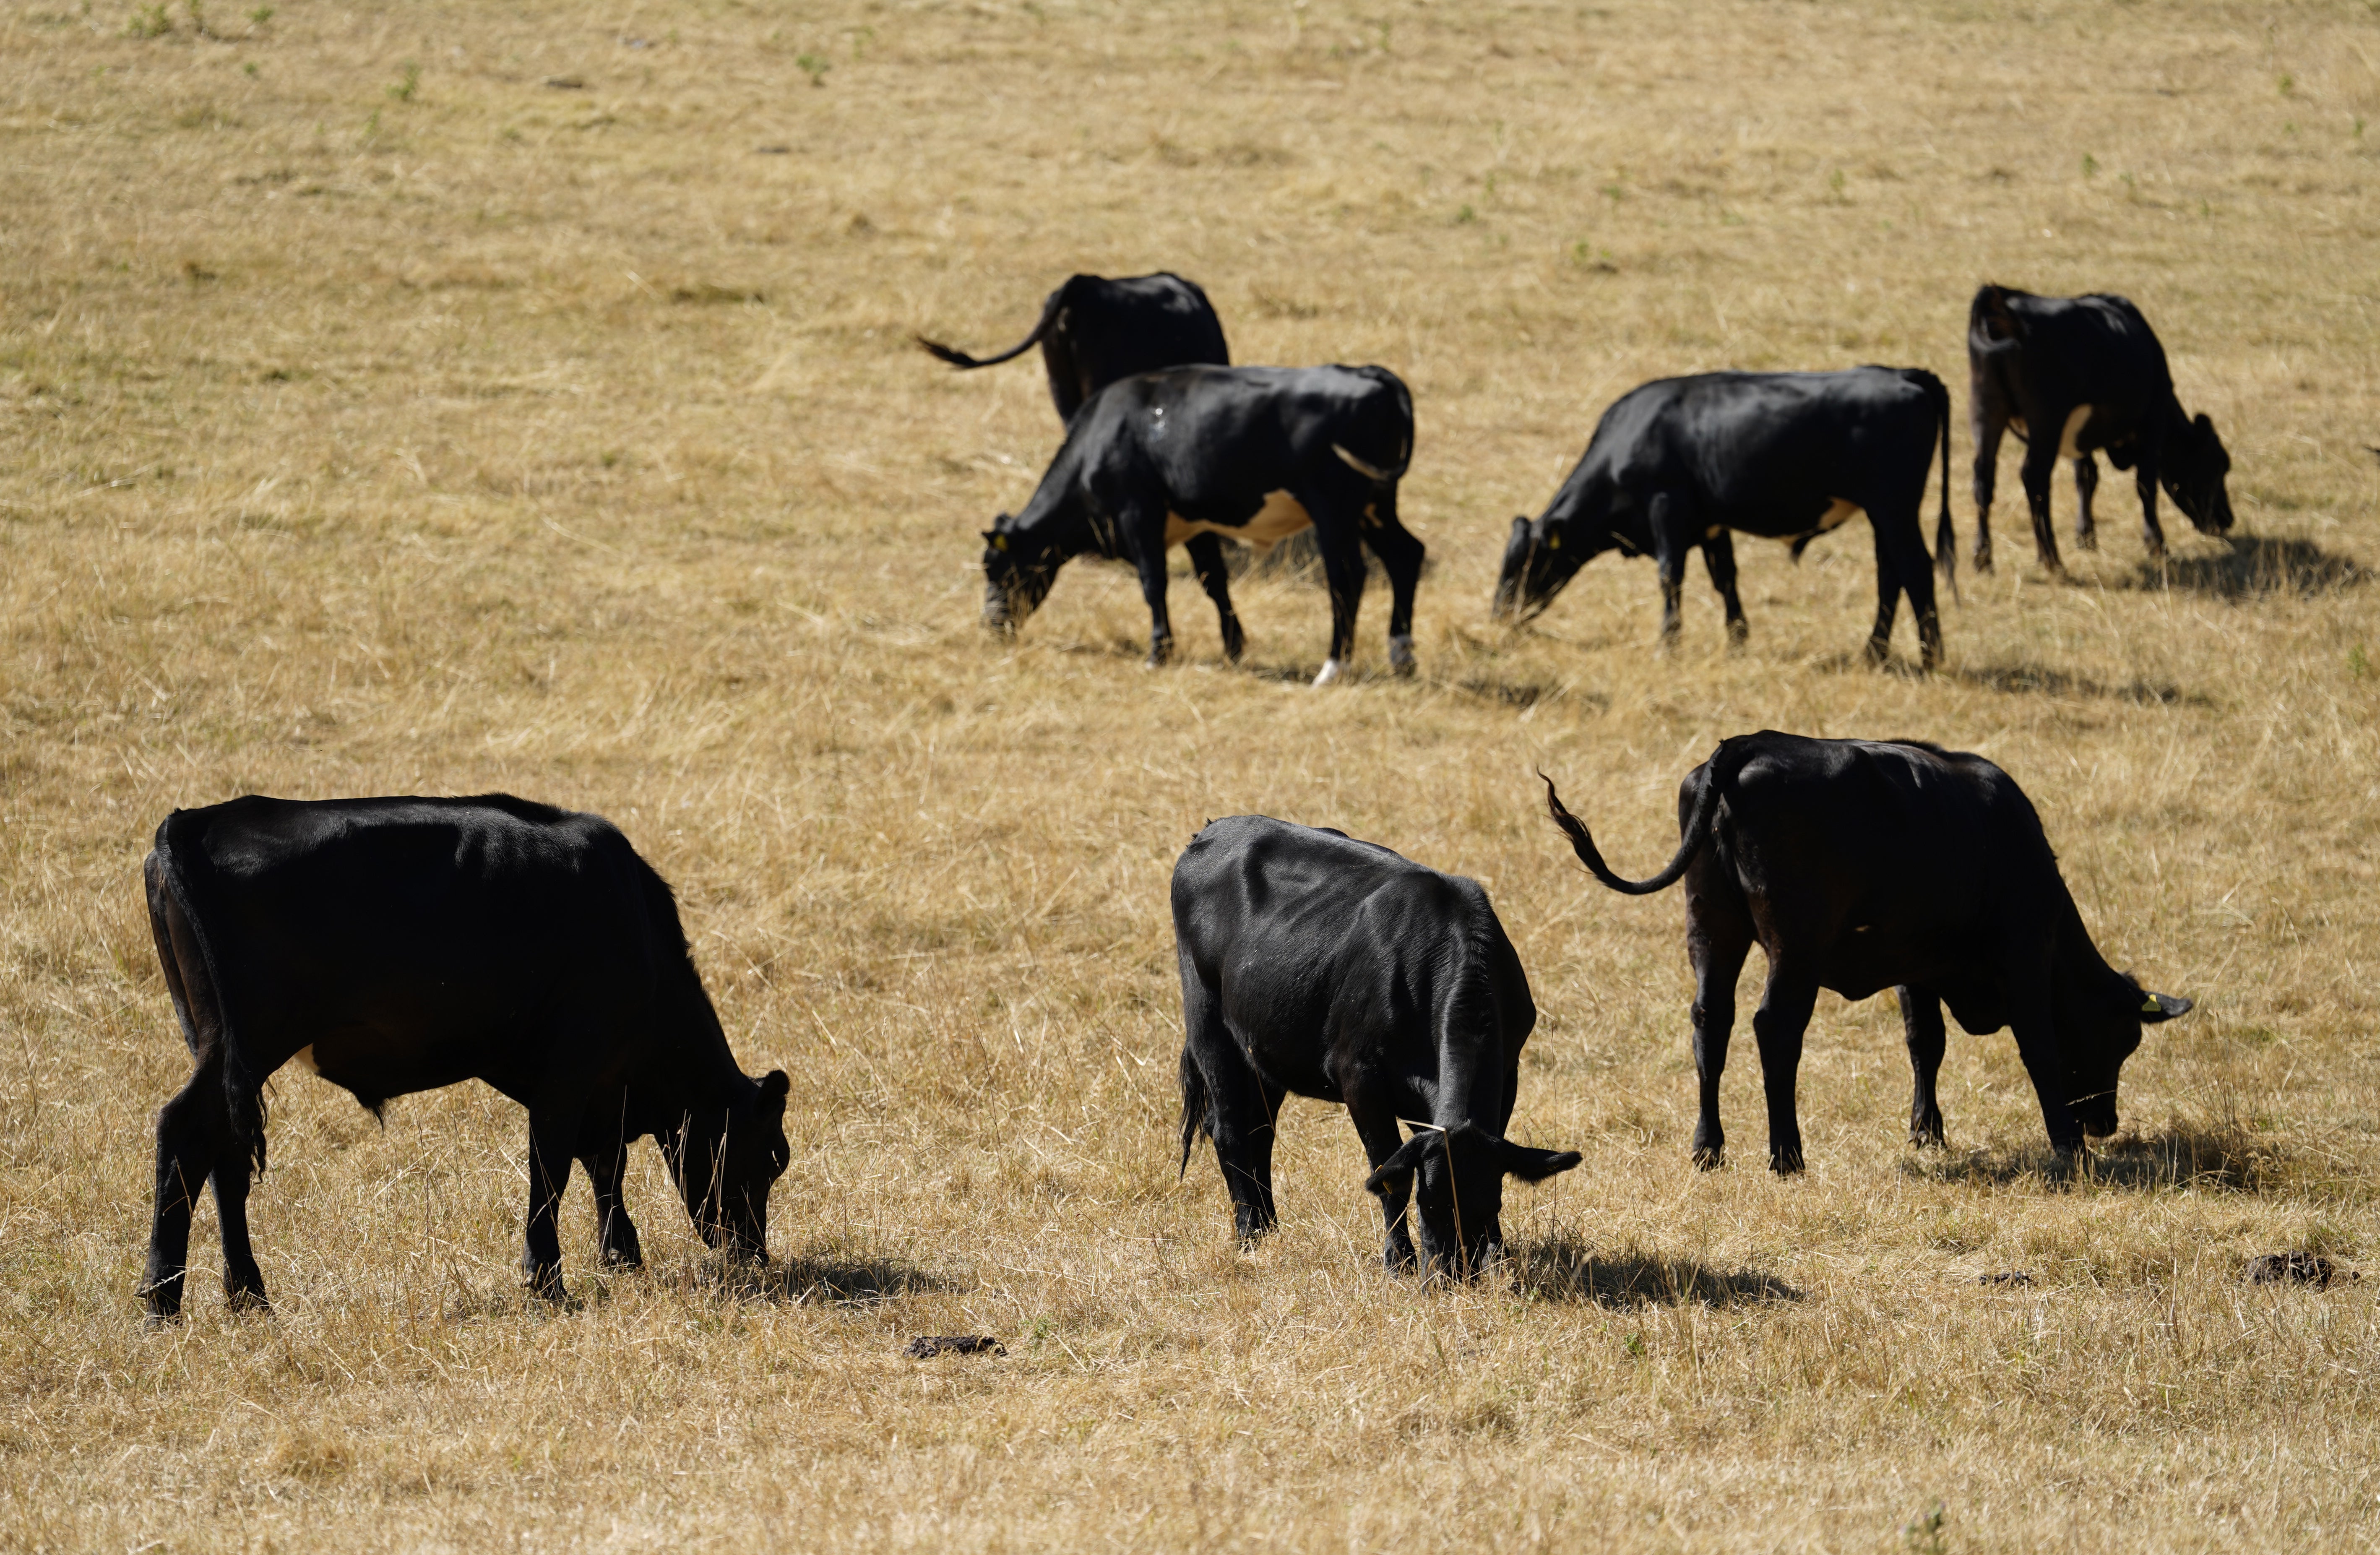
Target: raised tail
x=243, y=1091
x=1718, y=773
x=960, y=359
x=1194, y=1107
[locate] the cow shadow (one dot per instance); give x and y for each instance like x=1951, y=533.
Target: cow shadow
x=2251, y=565
x=2223, y=1157
x=1566, y=1267
x=847, y=1281
x=2019, y=680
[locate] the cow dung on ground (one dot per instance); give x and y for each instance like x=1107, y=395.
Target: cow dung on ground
x=925, y=1347
x=2296, y=1269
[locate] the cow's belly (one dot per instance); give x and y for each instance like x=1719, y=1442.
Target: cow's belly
x=1280, y=516
x=2070, y=440
x=1837, y=515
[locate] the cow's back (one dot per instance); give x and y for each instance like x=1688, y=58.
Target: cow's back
x=1304, y=930
x=470, y=913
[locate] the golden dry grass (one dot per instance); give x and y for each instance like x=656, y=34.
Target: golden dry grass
x=369, y=430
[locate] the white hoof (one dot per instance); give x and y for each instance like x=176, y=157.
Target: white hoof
x=1330, y=671
x=1401, y=653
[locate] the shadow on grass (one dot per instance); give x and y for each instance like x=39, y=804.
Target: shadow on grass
x=2223, y=1155
x=1567, y=1269
x=2253, y=566
x=845, y=1282
x=2035, y=680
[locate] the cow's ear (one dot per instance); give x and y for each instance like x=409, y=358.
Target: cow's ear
x=1519, y=522
x=1403, y=1164
x=2156, y=1007
x=774, y=1089
x=1531, y=1165
x=2204, y=423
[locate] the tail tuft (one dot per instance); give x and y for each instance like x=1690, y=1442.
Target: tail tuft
x=1194, y=1108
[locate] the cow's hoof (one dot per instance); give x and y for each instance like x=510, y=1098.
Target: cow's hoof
x=1925, y=1134
x=1234, y=646
x=246, y=1301
x=1785, y=1163
x=1877, y=652
x=1737, y=634
x=1401, y=654
x=1710, y=1158
x=2086, y=540
x=626, y=1263
x=1984, y=563
x=1331, y=669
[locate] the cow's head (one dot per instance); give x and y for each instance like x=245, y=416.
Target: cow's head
x=2191, y=467
x=1538, y=559
x=1461, y=1189
x=2108, y=1031
x=725, y=1162
x=1017, y=572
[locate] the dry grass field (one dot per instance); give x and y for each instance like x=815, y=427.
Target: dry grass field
x=442, y=398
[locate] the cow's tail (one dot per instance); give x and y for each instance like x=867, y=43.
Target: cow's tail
x=184, y=863
x=1992, y=330
x=1946, y=545
x=1393, y=469
x=960, y=359
x=1718, y=774
x=1194, y=1107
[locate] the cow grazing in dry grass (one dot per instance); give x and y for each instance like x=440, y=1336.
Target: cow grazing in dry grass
x=402, y=944
x=2075, y=375
x=1315, y=963
x=1094, y=330
x=1860, y=865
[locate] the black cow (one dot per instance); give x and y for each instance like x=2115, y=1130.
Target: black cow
x=1095, y=330
x=1315, y=963
x=1679, y=462
x=1250, y=453
x=2072, y=374
x=397, y=945
x=1859, y=865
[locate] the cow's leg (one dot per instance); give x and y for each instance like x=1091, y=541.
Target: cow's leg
x=1987, y=421
x=1401, y=553
x=186, y=1151
x=2086, y=486
x=195, y=1137
x=1777, y=1025
x=1144, y=528
x=1342, y=569
x=1921, y=1023
x=1375, y=1118
x=1241, y=1107
x=1718, y=556
x=615, y=1233
x=1667, y=512
x=1902, y=567
x=243, y=1282
x=2145, y=476
x=1207, y=561
x=554, y=1117
x=1718, y=936
x=2040, y=465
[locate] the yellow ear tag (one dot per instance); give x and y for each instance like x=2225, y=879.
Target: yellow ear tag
x=999, y=542
x=1553, y=542
x=2150, y=1006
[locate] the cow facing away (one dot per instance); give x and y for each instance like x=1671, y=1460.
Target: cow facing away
x=1252, y=454
x=1315, y=963
x=2075, y=375
x=1681, y=462
x=1858, y=866
x=401, y=944
x=1094, y=330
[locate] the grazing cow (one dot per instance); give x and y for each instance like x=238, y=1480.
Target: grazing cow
x=1253, y=454
x=1859, y=865
x=1316, y=964
x=1095, y=330
x=1679, y=462
x=397, y=945
x=2072, y=374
